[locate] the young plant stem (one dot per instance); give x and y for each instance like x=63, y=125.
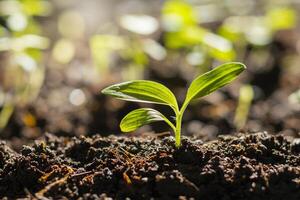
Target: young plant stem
x=178, y=130
x=178, y=125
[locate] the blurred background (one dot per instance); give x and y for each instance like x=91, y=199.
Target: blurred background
x=56, y=56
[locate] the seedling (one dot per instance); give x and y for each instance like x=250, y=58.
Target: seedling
x=152, y=92
x=242, y=111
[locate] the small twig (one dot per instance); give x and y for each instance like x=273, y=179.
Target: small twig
x=81, y=174
x=40, y=194
x=127, y=153
x=29, y=194
x=126, y=177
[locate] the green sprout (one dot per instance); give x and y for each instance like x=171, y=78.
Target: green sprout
x=245, y=98
x=152, y=92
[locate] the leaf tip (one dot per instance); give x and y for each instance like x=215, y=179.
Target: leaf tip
x=239, y=67
x=106, y=90
x=124, y=128
x=242, y=65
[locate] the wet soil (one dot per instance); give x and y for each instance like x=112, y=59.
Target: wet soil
x=246, y=166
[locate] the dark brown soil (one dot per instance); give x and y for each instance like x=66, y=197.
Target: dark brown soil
x=248, y=166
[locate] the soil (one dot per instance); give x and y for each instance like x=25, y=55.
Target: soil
x=246, y=166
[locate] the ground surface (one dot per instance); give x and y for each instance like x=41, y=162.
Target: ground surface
x=256, y=166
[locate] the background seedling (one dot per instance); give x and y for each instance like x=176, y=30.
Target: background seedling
x=245, y=99
x=153, y=92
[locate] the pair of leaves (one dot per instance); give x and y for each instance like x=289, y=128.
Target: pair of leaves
x=146, y=92
x=153, y=92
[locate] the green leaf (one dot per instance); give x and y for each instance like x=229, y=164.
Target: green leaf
x=213, y=80
x=142, y=91
x=141, y=117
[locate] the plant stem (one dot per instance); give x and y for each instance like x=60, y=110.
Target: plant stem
x=178, y=124
x=178, y=130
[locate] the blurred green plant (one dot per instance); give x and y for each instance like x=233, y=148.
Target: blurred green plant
x=181, y=31
x=184, y=34
x=131, y=49
x=21, y=46
x=132, y=52
x=245, y=98
x=294, y=98
x=71, y=27
x=258, y=30
x=181, y=24
x=153, y=92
